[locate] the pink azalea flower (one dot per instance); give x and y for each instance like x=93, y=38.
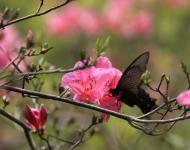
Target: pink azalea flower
x=92, y=85
x=88, y=85
x=184, y=98
x=36, y=118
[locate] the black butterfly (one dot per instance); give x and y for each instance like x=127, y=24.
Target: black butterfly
x=129, y=86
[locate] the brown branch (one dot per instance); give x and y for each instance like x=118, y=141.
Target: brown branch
x=128, y=118
x=34, y=14
x=25, y=128
x=156, y=109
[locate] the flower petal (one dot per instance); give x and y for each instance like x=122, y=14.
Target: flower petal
x=184, y=98
x=30, y=117
x=43, y=116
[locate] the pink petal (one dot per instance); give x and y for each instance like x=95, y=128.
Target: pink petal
x=110, y=103
x=103, y=62
x=30, y=117
x=43, y=115
x=184, y=98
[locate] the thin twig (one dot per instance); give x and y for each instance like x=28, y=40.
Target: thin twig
x=25, y=128
x=60, y=139
x=35, y=14
x=40, y=6
x=82, y=134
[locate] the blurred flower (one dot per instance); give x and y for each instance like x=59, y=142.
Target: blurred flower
x=64, y=22
x=4, y=57
x=10, y=39
x=178, y=3
x=36, y=118
x=183, y=98
x=92, y=85
x=124, y=21
x=114, y=13
x=143, y=22
x=74, y=18
x=10, y=43
x=119, y=17
x=90, y=21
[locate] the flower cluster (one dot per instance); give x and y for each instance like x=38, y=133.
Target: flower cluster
x=118, y=17
x=36, y=118
x=92, y=85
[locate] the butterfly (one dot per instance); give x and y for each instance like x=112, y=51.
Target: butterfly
x=129, y=87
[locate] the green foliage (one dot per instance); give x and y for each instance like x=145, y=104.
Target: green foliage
x=102, y=45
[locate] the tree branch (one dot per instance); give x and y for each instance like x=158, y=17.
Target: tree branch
x=21, y=124
x=128, y=118
x=34, y=14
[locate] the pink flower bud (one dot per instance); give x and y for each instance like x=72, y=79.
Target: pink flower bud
x=29, y=39
x=36, y=118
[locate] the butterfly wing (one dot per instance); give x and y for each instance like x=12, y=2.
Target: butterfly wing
x=131, y=78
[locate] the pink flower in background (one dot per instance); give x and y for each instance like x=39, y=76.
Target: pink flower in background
x=143, y=22
x=10, y=39
x=90, y=21
x=178, y=3
x=114, y=13
x=36, y=118
x=74, y=18
x=92, y=85
x=184, y=98
x=10, y=42
x=119, y=17
x=4, y=57
x=64, y=22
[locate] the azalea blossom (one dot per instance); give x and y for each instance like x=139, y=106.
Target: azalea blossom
x=36, y=117
x=92, y=85
x=183, y=98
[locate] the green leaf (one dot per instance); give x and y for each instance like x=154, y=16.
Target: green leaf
x=101, y=45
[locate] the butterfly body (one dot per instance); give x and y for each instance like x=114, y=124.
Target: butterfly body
x=129, y=86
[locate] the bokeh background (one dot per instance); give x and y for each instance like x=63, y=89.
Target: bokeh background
x=134, y=26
